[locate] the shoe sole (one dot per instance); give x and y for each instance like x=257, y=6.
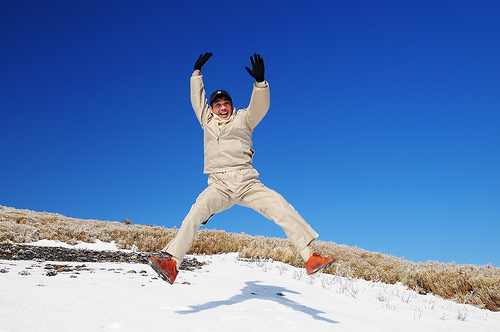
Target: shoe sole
x=158, y=270
x=324, y=267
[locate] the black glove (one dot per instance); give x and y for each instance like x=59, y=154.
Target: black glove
x=257, y=71
x=201, y=60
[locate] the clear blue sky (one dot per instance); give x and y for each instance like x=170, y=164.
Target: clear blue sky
x=383, y=130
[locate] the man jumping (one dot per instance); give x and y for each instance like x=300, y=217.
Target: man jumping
x=231, y=177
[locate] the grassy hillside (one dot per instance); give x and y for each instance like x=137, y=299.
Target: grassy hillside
x=478, y=285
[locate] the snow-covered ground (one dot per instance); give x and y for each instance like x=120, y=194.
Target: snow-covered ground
x=226, y=295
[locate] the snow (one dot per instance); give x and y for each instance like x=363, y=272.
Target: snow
x=228, y=294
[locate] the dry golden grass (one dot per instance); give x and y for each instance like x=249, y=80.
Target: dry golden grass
x=478, y=285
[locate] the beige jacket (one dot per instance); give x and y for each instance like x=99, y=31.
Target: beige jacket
x=228, y=146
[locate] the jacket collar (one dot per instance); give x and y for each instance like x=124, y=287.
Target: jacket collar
x=220, y=122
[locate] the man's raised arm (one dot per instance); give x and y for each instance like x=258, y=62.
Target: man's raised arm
x=260, y=100
x=198, y=95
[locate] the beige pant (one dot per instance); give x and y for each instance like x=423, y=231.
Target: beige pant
x=243, y=188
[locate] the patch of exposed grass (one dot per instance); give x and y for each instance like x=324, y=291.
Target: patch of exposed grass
x=478, y=285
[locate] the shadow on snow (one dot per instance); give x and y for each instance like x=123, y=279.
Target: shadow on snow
x=264, y=292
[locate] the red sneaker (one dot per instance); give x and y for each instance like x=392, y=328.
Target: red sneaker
x=166, y=268
x=317, y=263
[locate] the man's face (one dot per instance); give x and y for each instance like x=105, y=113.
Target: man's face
x=223, y=107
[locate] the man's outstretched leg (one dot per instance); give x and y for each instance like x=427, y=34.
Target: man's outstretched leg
x=212, y=200
x=273, y=206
